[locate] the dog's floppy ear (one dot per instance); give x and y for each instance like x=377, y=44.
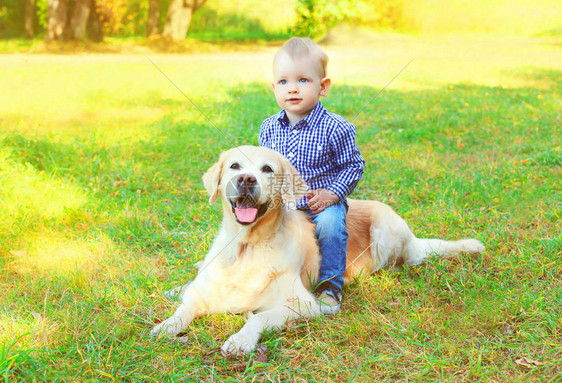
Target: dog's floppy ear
x=211, y=180
x=294, y=187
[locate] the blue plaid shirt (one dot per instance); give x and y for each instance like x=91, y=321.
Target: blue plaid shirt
x=321, y=147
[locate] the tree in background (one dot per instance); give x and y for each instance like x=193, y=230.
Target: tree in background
x=79, y=19
x=153, y=19
x=179, y=18
x=57, y=11
x=258, y=19
x=70, y=19
x=93, y=25
x=29, y=16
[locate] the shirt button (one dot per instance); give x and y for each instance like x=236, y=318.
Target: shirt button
x=295, y=131
x=290, y=155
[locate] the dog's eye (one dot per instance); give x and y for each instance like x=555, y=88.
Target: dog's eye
x=235, y=166
x=267, y=169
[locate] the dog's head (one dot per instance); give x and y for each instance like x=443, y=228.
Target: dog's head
x=253, y=181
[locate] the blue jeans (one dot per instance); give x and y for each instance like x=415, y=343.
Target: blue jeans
x=332, y=238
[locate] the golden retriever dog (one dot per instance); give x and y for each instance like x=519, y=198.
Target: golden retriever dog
x=265, y=256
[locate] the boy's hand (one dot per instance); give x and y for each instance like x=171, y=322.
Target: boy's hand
x=320, y=199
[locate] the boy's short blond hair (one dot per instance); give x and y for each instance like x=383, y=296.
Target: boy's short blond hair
x=303, y=46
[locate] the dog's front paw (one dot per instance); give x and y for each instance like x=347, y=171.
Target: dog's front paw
x=474, y=246
x=238, y=344
x=171, y=327
x=177, y=292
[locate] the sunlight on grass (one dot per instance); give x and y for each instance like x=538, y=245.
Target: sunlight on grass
x=27, y=193
x=101, y=91
x=438, y=60
x=51, y=253
x=35, y=331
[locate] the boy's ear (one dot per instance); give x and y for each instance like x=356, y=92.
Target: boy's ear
x=325, y=85
x=273, y=85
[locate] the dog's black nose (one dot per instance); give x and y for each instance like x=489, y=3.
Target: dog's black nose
x=246, y=180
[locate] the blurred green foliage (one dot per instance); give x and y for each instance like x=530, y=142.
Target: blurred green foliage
x=41, y=13
x=316, y=17
x=11, y=18
x=276, y=19
x=210, y=24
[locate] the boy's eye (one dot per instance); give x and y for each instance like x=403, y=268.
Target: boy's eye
x=283, y=82
x=303, y=80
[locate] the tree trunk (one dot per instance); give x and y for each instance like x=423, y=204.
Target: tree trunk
x=57, y=15
x=153, y=21
x=79, y=19
x=179, y=18
x=29, y=13
x=95, y=32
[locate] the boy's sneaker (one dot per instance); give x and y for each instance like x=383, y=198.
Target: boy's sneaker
x=328, y=298
x=328, y=304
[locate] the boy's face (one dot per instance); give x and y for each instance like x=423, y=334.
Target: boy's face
x=298, y=85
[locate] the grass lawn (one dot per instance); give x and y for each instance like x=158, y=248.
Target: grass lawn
x=102, y=209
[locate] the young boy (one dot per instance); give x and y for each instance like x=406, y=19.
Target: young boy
x=321, y=146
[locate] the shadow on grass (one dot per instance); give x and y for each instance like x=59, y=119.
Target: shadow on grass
x=460, y=144
x=200, y=43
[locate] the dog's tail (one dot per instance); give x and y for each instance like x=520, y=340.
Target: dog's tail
x=421, y=248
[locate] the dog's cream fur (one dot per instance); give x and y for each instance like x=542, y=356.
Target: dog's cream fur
x=266, y=267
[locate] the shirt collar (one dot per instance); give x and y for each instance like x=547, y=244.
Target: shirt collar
x=282, y=118
x=311, y=120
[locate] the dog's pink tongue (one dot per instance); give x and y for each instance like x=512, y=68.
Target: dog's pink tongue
x=246, y=214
